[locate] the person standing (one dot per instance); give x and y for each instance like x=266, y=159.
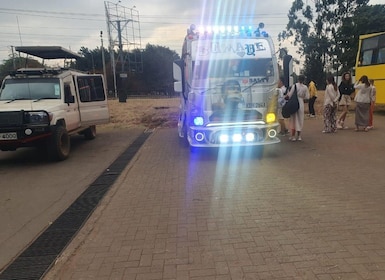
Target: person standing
x=330, y=106
x=281, y=101
x=372, y=103
x=296, y=120
x=346, y=88
x=312, y=98
x=363, y=100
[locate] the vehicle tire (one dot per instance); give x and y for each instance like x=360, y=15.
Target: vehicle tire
x=90, y=133
x=183, y=140
x=59, y=145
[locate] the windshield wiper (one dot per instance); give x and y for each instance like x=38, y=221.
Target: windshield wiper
x=45, y=98
x=14, y=99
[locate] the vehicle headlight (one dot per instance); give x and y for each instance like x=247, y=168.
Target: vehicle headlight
x=270, y=117
x=36, y=117
x=198, y=121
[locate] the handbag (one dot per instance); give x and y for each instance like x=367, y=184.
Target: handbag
x=292, y=105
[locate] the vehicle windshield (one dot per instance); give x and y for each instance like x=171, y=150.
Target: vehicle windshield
x=228, y=68
x=30, y=88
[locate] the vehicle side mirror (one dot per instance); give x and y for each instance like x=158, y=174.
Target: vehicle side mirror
x=69, y=99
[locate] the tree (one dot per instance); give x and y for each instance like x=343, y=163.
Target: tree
x=91, y=60
x=15, y=63
x=367, y=19
x=156, y=75
x=315, y=29
x=157, y=68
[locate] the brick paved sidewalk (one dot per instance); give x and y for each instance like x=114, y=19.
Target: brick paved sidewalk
x=308, y=210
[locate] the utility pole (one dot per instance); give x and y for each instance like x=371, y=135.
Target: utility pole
x=103, y=61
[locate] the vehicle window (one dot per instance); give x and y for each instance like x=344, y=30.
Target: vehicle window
x=233, y=68
x=373, y=51
x=30, y=88
x=91, y=88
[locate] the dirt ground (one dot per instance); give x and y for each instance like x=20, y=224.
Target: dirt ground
x=163, y=112
x=146, y=113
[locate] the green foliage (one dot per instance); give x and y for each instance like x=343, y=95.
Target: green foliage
x=91, y=60
x=156, y=63
x=317, y=31
x=157, y=68
x=153, y=74
x=18, y=62
x=366, y=20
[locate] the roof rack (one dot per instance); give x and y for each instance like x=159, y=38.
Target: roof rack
x=36, y=71
x=48, y=52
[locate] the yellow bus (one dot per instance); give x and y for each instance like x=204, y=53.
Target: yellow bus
x=371, y=61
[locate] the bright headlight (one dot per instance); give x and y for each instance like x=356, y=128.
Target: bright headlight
x=198, y=121
x=36, y=117
x=270, y=117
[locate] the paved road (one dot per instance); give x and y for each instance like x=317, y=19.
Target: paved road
x=308, y=210
x=34, y=191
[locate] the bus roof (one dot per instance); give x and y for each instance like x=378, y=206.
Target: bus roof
x=365, y=36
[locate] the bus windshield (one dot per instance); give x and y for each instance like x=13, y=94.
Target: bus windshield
x=228, y=68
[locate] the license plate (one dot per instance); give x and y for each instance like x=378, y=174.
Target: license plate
x=8, y=136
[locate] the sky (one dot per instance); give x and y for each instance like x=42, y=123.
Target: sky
x=73, y=24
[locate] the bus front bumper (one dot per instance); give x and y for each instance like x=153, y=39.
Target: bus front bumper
x=229, y=136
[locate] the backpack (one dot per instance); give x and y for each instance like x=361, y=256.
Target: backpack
x=292, y=105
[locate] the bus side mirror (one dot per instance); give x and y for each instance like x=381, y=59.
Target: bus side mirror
x=288, y=70
x=178, y=87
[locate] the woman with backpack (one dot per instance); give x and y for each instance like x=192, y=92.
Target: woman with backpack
x=297, y=119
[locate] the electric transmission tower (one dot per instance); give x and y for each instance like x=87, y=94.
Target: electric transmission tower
x=125, y=48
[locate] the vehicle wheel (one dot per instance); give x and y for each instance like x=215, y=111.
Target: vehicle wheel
x=183, y=140
x=90, y=133
x=60, y=144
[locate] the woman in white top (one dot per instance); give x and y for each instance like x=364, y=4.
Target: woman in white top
x=296, y=119
x=330, y=106
x=372, y=103
x=363, y=100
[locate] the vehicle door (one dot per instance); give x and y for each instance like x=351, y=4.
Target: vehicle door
x=92, y=100
x=72, y=114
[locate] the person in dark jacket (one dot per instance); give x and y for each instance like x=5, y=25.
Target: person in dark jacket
x=346, y=88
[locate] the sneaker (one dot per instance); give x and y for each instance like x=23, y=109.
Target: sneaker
x=312, y=116
x=292, y=138
x=299, y=138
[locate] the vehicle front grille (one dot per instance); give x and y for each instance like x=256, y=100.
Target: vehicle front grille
x=236, y=116
x=8, y=119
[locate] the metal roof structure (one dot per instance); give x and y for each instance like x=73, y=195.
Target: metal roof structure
x=48, y=52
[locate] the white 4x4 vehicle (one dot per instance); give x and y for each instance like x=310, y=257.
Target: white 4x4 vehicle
x=44, y=107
